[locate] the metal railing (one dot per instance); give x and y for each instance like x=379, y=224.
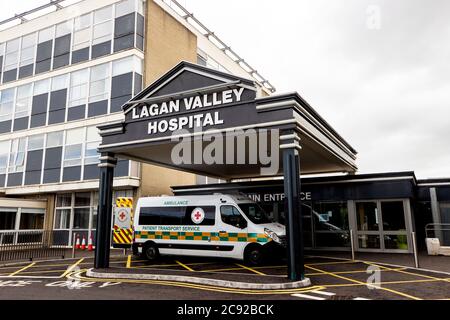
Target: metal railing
x=29, y=245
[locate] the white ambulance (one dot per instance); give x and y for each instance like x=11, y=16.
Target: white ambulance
x=230, y=226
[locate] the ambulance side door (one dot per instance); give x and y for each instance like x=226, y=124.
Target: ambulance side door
x=232, y=231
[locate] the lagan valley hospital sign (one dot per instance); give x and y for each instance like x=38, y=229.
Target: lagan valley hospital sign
x=193, y=98
x=185, y=105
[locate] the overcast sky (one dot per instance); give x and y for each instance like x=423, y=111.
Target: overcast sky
x=378, y=71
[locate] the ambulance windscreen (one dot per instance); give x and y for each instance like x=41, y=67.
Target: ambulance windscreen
x=255, y=213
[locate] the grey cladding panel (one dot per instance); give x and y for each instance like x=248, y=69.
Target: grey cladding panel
x=122, y=85
x=137, y=83
x=10, y=75
x=43, y=66
x=39, y=104
x=140, y=42
x=76, y=113
x=117, y=103
x=26, y=71
x=34, y=160
x=101, y=49
x=124, y=25
x=44, y=51
x=121, y=169
x=2, y=180
x=15, y=179
x=38, y=120
x=5, y=126
x=58, y=99
x=57, y=116
x=52, y=175
x=72, y=173
x=61, y=61
x=20, y=124
x=53, y=158
x=91, y=171
x=32, y=177
x=80, y=55
x=98, y=108
x=140, y=25
x=125, y=42
x=62, y=45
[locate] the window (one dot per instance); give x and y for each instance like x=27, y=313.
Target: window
x=62, y=219
x=31, y=219
x=63, y=28
x=27, y=52
x=125, y=7
x=6, y=104
x=41, y=87
x=55, y=139
x=73, y=148
x=122, y=66
x=255, y=213
x=23, y=101
x=17, y=155
x=78, y=87
x=60, y=82
x=367, y=216
x=64, y=200
x=12, y=54
x=393, y=215
x=36, y=142
x=8, y=218
x=175, y=216
x=330, y=216
x=81, y=218
x=82, y=32
x=231, y=215
x=103, y=27
x=93, y=140
x=99, y=83
x=46, y=34
x=82, y=199
x=4, y=152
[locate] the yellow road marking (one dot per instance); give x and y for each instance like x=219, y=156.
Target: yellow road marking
x=184, y=266
x=202, y=287
x=24, y=268
x=251, y=269
x=338, y=262
x=359, y=282
x=69, y=269
x=129, y=261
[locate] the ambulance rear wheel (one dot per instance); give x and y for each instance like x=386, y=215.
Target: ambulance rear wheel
x=254, y=255
x=150, y=252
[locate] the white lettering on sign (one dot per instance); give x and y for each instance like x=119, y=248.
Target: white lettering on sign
x=274, y=197
x=174, y=124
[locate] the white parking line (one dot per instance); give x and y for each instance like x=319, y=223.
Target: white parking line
x=324, y=293
x=359, y=298
x=307, y=296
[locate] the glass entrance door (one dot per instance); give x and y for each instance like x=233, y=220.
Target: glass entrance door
x=381, y=225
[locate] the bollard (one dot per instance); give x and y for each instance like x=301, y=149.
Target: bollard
x=414, y=243
x=73, y=245
x=352, y=244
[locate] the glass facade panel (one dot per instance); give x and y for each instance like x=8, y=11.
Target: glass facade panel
x=62, y=219
x=367, y=216
x=82, y=199
x=399, y=241
x=64, y=200
x=81, y=218
x=393, y=215
x=8, y=219
x=32, y=219
x=366, y=241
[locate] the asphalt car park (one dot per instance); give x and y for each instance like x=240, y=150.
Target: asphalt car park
x=331, y=278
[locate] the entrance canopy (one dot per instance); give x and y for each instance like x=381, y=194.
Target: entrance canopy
x=194, y=102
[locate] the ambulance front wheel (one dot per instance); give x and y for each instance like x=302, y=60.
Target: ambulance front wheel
x=150, y=251
x=254, y=255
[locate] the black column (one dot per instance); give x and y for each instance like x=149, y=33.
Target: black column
x=291, y=171
x=104, y=215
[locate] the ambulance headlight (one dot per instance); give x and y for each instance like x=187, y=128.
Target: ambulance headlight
x=272, y=235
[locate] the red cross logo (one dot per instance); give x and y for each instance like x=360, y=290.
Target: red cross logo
x=197, y=215
x=122, y=216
